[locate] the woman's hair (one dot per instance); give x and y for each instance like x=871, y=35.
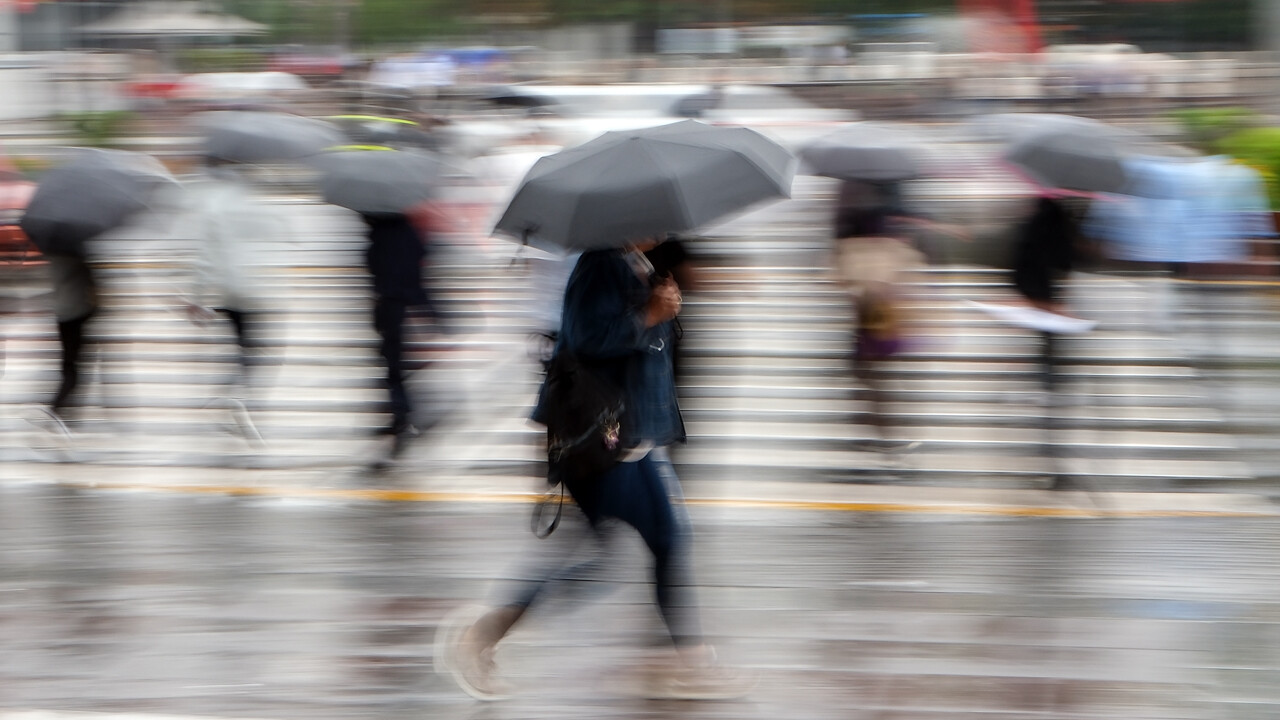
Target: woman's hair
x=861, y=222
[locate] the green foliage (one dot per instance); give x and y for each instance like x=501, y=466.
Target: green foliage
x=1206, y=127
x=377, y=22
x=227, y=59
x=99, y=128
x=1259, y=148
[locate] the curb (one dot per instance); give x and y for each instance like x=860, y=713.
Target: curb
x=727, y=495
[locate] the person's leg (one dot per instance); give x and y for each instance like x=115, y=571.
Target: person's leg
x=71, y=337
x=1048, y=361
x=388, y=320
x=653, y=505
x=466, y=642
x=244, y=324
x=864, y=370
x=644, y=501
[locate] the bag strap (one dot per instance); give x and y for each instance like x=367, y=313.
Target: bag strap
x=541, y=508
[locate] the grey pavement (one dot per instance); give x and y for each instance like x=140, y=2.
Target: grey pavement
x=152, y=605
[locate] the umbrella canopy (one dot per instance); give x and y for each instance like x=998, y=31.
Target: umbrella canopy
x=96, y=191
x=1071, y=160
x=1007, y=127
x=374, y=182
x=872, y=152
x=1073, y=153
x=389, y=131
x=264, y=137
x=624, y=186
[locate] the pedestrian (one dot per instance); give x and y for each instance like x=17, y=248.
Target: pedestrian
x=617, y=320
x=394, y=258
x=75, y=304
x=872, y=262
x=233, y=227
x=1044, y=253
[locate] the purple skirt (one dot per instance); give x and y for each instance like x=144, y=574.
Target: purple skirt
x=872, y=347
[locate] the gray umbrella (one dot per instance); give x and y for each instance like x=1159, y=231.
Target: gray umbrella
x=872, y=152
x=1009, y=127
x=375, y=182
x=1074, y=153
x=1070, y=159
x=265, y=137
x=95, y=191
x=623, y=186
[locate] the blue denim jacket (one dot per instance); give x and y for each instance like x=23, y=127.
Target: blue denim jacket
x=603, y=324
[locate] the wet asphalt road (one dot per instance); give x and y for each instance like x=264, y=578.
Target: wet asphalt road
x=278, y=607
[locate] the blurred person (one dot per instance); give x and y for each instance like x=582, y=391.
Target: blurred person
x=75, y=304
x=1047, y=246
x=899, y=217
x=871, y=263
x=1043, y=256
x=395, y=256
x=232, y=227
x=617, y=320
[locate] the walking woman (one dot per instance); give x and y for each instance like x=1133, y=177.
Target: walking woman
x=617, y=321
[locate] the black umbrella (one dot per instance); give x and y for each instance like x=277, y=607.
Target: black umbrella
x=266, y=137
x=624, y=186
x=377, y=181
x=96, y=191
x=868, y=151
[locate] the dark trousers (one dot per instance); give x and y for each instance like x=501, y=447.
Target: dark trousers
x=71, y=337
x=388, y=320
x=639, y=494
x=242, y=323
x=1049, y=361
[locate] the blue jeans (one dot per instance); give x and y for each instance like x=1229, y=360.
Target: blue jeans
x=639, y=494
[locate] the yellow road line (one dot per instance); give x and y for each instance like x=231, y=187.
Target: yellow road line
x=901, y=508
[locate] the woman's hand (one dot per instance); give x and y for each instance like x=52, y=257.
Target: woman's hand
x=664, y=303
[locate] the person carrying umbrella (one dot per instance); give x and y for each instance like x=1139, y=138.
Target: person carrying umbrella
x=75, y=304
x=871, y=262
x=614, y=199
x=395, y=257
x=388, y=189
x=232, y=226
x=94, y=192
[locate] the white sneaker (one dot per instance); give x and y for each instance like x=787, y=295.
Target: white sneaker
x=469, y=665
x=245, y=426
x=700, y=681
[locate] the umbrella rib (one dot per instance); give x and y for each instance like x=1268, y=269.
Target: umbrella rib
x=686, y=216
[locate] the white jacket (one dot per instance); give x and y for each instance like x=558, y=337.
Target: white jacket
x=234, y=231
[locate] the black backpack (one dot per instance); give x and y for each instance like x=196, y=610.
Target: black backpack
x=584, y=413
